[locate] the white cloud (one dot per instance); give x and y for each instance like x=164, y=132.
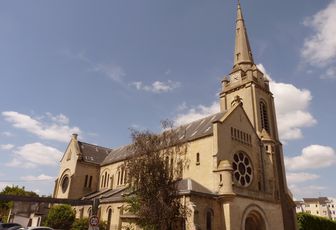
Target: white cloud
x=293, y=178
x=306, y=191
x=60, y=119
x=320, y=48
x=312, y=157
x=196, y=113
x=7, y=146
x=16, y=163
x=111, y=70
x=56, y=128
x=41, y=177
x=157, y=86
x=31, y=155
x=7, y=134
x=293, y=116
x=330, y=73
x=114, y=72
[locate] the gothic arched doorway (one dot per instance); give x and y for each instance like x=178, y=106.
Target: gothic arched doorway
x=254, y=219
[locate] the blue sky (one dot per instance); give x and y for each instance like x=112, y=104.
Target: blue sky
x=99, y=68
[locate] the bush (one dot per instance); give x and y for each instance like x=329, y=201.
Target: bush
x=80, y=224
x=60, y=217
x=310, y=222
x=83, y=224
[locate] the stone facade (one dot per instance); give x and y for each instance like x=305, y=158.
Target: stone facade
x=236, y=177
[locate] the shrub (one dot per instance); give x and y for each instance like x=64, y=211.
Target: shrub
x=310, y=222
x=83, y=224
x=60, y=217
x=80, y=224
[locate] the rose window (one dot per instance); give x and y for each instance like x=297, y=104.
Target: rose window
x=65, y=183
x=242, y=169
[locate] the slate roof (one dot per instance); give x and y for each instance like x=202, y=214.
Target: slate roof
x=192, y=131
x=103, y=156
x=106, y=195
x=200, y=128
x=188, y=186
x=185, y=186
x=93, y=153
x=320, y=200
x=116, y=155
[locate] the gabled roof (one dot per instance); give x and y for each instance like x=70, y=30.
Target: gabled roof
x=192, y=131
x=103, y=156
x=202, y=127
x=93, y=153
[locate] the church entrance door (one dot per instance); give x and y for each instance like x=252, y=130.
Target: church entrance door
x=254, y=221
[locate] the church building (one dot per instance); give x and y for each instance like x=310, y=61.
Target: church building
x=236, y=176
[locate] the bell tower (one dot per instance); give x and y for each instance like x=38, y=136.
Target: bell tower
x=248, y=83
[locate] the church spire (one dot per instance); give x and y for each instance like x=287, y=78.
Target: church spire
x=243, y=53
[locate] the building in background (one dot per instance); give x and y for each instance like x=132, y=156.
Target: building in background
x=321, y=206
x=236, y=177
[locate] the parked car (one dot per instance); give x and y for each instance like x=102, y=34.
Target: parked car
x=39, y=228
x=16, y=228
x=6, y=226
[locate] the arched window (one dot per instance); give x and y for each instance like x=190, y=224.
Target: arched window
x=86, y=181
x=118, y=177
x=125, y=176
x=167, y=162
x=197, y=159
x=112, y=181
x=264, y=116
x=65, y=183
x=242, y=169
x=90, y=181
x=209, y=219
x=109, y=217
x=105, y=180
x=122, y=176
x=102, y=182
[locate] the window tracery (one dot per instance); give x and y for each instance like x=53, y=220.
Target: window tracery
x=242, y=169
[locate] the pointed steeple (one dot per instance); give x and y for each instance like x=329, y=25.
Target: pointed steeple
x=243, y=53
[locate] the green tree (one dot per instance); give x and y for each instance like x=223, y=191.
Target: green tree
x=5, y=206
x=60, y=217
x=153, y=170
x=309, y=222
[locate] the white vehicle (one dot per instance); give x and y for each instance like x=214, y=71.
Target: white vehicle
x=39, y=228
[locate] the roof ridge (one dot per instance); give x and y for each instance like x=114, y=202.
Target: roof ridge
x=94, y=145
x=203, y=118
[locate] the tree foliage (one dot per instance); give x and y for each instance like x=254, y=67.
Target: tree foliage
x=153, y=169
x=309, y=222
x=5, y=206
x=60, y=217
